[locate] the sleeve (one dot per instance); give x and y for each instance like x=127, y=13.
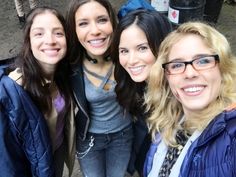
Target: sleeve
x=31, y=129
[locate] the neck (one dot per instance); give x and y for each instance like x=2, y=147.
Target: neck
x=49, y=71
x=49, y=76
x=95, y=60
x=90, y=59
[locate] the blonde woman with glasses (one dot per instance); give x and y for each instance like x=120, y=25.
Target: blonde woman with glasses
x=191, y=95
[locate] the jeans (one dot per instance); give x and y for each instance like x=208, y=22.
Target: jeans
x=105, y=155
x=59, y=159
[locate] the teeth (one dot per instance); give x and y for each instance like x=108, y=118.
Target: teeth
x=193, y=89
x=135, y=69
x=50, y=51
x=96, y=41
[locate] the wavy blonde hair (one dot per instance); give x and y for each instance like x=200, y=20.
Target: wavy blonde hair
x=165, y=110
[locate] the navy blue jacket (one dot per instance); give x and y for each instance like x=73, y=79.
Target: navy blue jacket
x=213, y=154
x=25, y=148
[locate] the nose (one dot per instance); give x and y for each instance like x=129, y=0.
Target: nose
x=95, y=29
x=50, y=39
x=190, y=72
x=132, y=58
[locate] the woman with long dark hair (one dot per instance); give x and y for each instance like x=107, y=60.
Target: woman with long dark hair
x=41, y=70
x=134, y=50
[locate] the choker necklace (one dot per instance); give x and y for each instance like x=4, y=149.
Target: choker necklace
x=90, y=59
x=94, y=60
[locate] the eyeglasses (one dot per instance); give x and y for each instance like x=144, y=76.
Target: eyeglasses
x=200, y=63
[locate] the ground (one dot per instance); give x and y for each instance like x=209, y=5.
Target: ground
x=11, y=34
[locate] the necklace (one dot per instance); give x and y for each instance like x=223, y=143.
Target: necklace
x=90, y=59
x=94, y=60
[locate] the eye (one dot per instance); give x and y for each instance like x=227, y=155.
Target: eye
x=204, y=60
x=37, y=34
x=82, y=24
x=143, y=48
x=123, y=51
x=59, y=33
x=103, y=20
x=174, y=66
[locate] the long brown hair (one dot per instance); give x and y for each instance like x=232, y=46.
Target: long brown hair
x=33, y=75
x=77, y=51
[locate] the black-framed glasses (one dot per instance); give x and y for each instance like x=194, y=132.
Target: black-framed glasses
x=202, y=62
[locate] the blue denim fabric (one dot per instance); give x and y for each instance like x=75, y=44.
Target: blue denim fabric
x=105, y=155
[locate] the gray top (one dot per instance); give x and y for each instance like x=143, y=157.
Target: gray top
x=107, y=116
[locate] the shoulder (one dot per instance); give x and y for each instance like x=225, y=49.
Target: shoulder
x=230, y=118
x=16, y=75
x=7, y=84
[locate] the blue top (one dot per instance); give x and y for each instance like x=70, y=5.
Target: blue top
x=212, y=154
x=107, y=116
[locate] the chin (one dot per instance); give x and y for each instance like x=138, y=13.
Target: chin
x=138, y=80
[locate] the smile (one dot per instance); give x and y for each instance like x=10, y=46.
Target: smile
x=193, y=89
x=97, y=42
x=50, y=51
x=136, y=70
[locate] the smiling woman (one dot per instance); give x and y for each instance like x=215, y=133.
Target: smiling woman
x=48, y=41
x=41, y=70
x=135, y=56
x=135, y=46
x=104, y=130
x=191, y=98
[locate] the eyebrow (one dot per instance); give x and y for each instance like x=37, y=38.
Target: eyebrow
x=122, y=48
x=86, y=19
x=41, y=28
x=102, y=16
x=194, y=57
x=145, y=43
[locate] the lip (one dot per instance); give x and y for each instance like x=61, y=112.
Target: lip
x=136, y=70
x=51, y=52
x=193, y=90
x=97, y=42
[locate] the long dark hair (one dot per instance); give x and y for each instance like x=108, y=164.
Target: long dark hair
x=155, y=26
x=33, y=75
x=77, y=51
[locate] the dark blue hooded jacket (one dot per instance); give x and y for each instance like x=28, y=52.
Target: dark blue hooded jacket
x=25, y=148
x=213, y=154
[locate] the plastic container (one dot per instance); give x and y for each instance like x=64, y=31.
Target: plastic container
x=161, y=6
x=181, y=11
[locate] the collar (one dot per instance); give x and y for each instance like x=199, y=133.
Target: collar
x=216, y=126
